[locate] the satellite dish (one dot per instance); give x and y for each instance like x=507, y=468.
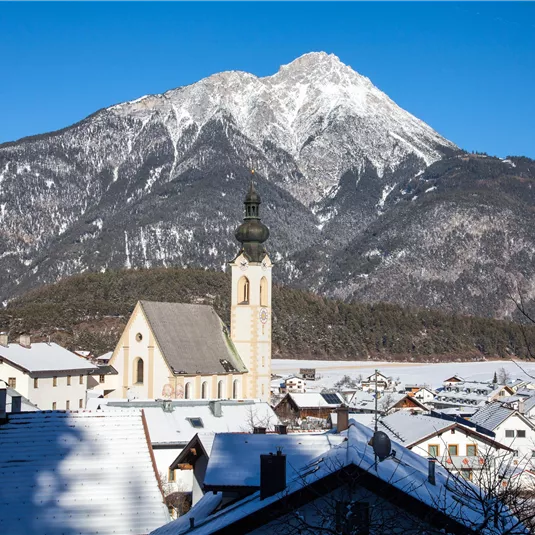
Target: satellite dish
x=381, y=445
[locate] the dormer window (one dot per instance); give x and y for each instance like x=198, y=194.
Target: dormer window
x=195, y=422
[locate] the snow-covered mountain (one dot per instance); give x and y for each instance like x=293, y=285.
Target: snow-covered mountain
x=160, y=180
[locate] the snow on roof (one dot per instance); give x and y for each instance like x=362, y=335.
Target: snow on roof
x=314, y=399
x=492, y=415
x=235, y=458
x=43, y=356
x=407, y=428
x=365, y=419
x=77, y=472
x=105, y=356
x=189, y=417
x=407, y=472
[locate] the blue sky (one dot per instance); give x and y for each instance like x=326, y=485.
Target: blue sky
x=467, y=69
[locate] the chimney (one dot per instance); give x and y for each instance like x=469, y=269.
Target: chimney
x=342, y=418
x=25, y=341
x=3, y=339
x=272, y=474
x=215, y=407
x=431, y=471
x=259, y=430
x=281, y=429
x=16, y=404
x=521, y=406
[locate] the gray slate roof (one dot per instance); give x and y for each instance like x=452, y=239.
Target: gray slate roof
x=492, y=415
x=192, y=338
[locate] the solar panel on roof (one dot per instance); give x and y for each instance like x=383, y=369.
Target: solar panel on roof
x=331, y=399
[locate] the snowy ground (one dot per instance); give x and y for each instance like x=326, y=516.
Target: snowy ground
x=431, y=374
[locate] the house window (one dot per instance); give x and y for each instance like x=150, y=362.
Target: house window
x=68, y=380
x=36, y=383
x=502, y=393
x=433, y=450
x=521, y=433
x=195, y=422
x=187, y=391
x=67, y=405
x=235, y=386
x=171, y=475
x=533, y=453
x=509, y=433
x=220, y=387
x=453, y=449
x=101, y=378
x=54, y=381
x=263, y=292
x=204, y=390
x=12, y=382
x=471, y=450
x=80, y=403
x=243, y=291
x=53, y=405
x=138, y=371
x=81, y=379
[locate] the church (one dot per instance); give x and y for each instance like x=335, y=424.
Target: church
x=185, y=351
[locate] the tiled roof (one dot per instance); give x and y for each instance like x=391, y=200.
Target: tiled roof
x=192, y=338
x=77, y=473
x=42, y=357
x=407, y=472
x=235, y=457
x=492, y=415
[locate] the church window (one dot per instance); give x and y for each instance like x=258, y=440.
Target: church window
x=220, y=389
x=187, y=391
x=262, y=388
x=138, y=371
x=235, y=386
x=263, y=292
x=139, y=337
x=204, y=390
x=243, y=291
x=263, y=361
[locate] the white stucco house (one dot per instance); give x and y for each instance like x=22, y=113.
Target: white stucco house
x=48, y=375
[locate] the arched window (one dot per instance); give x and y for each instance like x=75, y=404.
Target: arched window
x=235, y=388
x=220, y=387
x=263, y=292
x=243, y=291
x=187, y=391
x=138, y=371
x=204, y=390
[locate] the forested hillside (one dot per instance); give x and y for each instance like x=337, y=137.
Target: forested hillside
x=89, y=312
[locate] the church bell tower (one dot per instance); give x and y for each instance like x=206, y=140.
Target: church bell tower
x=250, y=322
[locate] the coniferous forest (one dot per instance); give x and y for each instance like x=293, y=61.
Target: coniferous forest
x=89, y=311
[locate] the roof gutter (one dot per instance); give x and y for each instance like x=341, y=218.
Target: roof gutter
x=151, y=453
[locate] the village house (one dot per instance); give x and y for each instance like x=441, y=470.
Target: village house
x=468, y=394
x=459, y=445
x=48, y=375
x=293, y=384
x=423, y=394
x=66, y=472
x=184, y=351
x=364, y=403
x=402, y=493
x=296, y=406
x=511, y=428
x=377, y=381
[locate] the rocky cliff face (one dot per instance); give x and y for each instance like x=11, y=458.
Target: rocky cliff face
x=363, y=199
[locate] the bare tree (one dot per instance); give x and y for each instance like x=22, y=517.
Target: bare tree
x=503, y=376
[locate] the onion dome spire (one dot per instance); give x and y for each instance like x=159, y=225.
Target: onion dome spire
x=252, y=233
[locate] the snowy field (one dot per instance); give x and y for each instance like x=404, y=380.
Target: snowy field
x=330, y=372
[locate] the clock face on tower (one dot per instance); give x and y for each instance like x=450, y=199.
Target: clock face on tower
x=264, y=264
x=263, y=315
x=244, y=264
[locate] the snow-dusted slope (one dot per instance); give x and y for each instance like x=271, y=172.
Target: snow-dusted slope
x=353, y=188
